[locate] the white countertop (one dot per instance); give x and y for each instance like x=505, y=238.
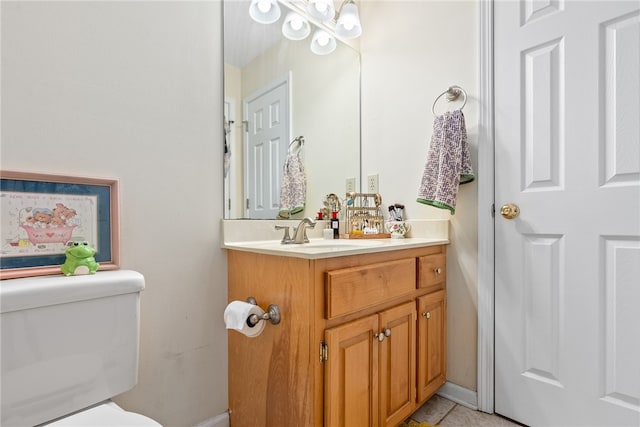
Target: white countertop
x=261, y=237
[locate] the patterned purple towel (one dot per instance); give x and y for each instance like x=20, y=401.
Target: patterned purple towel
x=293, y=191
x=448, y=162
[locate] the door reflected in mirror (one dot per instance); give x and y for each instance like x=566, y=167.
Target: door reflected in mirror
x=277, y=89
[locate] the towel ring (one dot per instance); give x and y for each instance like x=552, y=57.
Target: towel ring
x=452, y=93
x=299, y=140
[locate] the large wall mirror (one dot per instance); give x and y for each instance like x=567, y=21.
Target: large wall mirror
x=277, y=90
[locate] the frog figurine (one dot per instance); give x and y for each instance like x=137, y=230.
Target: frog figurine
x=80, y=259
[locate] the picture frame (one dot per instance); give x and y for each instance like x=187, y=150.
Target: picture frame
x=40, y=214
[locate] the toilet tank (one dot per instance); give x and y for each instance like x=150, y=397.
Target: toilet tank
x=67, y=343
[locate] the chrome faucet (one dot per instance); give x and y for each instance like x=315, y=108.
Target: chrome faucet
x=300, y=232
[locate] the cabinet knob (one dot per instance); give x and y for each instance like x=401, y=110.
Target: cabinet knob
x=385, y=333
x=426, y=315
x=437, y=270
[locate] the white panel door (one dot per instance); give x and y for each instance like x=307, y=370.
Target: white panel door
x=267, y=139
x=567, y=111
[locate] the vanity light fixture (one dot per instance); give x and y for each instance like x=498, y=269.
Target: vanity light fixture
x=348, y=25
x=323, y=10
x=264, y=11
x=297, y=24
x=295, y=27
x=322, y=42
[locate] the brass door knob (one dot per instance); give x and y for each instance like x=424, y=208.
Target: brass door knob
x=509, y=210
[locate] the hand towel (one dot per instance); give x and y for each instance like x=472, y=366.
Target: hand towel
x=294, y=187
x=448, y=162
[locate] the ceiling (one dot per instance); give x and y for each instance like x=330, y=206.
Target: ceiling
x=245, y=39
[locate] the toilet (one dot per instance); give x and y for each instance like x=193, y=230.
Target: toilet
x=70, y=344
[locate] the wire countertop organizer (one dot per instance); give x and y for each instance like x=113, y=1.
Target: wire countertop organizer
x=364, y=211
x=453, y=93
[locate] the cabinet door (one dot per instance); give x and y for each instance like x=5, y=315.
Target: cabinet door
x=432, y=343
x=351, y=374
x=397, y=364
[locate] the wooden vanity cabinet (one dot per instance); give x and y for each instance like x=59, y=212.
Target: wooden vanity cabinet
x=362, y=341
x=370, y=369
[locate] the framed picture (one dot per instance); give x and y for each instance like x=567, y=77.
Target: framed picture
x=41, y=214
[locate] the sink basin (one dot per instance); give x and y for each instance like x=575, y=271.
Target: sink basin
x=320, y=245
x=343, y=243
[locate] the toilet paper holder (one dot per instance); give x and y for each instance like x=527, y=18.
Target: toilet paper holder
x=272, y=314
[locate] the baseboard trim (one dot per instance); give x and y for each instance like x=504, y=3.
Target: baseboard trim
x=453, y=392
x=460, y=395
x=221, y=420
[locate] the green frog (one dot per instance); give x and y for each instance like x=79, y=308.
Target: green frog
x=80, y=259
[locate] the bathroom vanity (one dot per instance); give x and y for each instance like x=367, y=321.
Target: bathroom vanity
x=362, y=337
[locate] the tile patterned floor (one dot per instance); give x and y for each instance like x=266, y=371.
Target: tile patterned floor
x=445, y=413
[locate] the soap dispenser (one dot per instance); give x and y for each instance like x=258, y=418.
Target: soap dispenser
x=335, y=225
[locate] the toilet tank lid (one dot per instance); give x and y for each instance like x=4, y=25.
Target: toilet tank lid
x=32, y=292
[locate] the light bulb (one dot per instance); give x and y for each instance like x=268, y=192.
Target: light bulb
x=264, y=6
x=264, y=11
x=321, y=10
x=296, y=24
x=322, y=43
x=321, y=7
x=348, y=24
x=295, y=27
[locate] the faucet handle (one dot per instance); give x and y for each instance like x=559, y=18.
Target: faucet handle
x=286, y=239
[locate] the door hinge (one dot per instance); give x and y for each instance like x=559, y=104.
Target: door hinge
x=245, y=125
x=324, y=352
x=493, y=210
x=247, y=204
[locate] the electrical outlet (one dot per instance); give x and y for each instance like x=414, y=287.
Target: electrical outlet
x=351, y=185
x=372, y=183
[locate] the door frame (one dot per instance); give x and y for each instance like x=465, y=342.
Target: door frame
x=231, y=192
x=486, y=211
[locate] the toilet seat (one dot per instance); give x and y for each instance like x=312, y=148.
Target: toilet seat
x=107, y=414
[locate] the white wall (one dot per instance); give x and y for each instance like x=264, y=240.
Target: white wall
x=133, y=90
x=233, y=90
x=411, y=52
x=325, y=94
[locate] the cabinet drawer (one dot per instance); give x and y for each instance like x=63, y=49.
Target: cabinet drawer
x=432, y=272
x=353, y=289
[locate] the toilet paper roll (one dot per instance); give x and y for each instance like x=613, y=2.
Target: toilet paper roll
x=236, y=315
